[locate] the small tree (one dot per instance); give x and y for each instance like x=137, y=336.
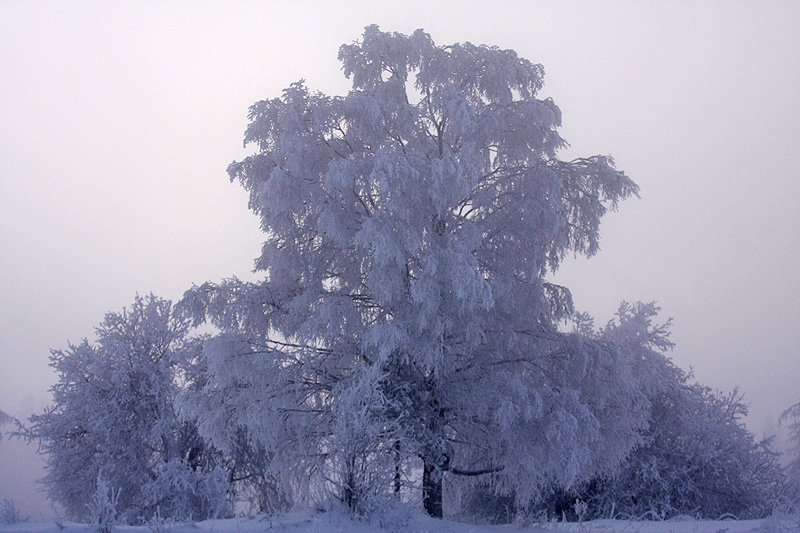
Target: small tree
x=642, y=343
x=114, y=413
x=697, y=457
x=791, y=417
x=5, y=419
x=699, y=460
x=409, y=229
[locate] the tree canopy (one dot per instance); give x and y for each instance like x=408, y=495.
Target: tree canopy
x=409, y=227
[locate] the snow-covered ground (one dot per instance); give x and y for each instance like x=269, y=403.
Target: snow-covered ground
x=417, y=523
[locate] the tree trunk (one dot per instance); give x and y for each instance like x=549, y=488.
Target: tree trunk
x=348, y=492
x=432, y=489
x=397, y=476
x=432, y=477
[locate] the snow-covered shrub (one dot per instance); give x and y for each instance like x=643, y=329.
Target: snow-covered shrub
x=697, y=459
x=160, y=524
x=394, y=516
x=10, y=513
x=615, y=370
x=102, y=508
x=183, y=493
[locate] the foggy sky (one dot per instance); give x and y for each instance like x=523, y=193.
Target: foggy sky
x=117, y=122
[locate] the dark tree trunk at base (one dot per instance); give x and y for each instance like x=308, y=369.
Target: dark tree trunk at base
x=432, y=476
x=397, y=475
x=432, y=489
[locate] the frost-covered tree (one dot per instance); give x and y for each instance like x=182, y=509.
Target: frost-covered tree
x=410, y=226
x=791, y=417
x=697, y=458
x=113, y=417
x=643, y=344
x=4, y=419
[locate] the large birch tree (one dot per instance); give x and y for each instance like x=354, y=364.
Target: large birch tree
x=404, y=322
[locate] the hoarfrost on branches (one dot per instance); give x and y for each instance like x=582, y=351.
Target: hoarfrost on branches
x=696, y=458
x=409, y=227
x=103, y=506
x=113, y=425
x=404, y=344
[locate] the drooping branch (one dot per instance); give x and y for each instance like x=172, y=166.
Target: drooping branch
x=472, y=473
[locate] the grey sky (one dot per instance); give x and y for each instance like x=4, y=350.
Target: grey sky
x=117, y=121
